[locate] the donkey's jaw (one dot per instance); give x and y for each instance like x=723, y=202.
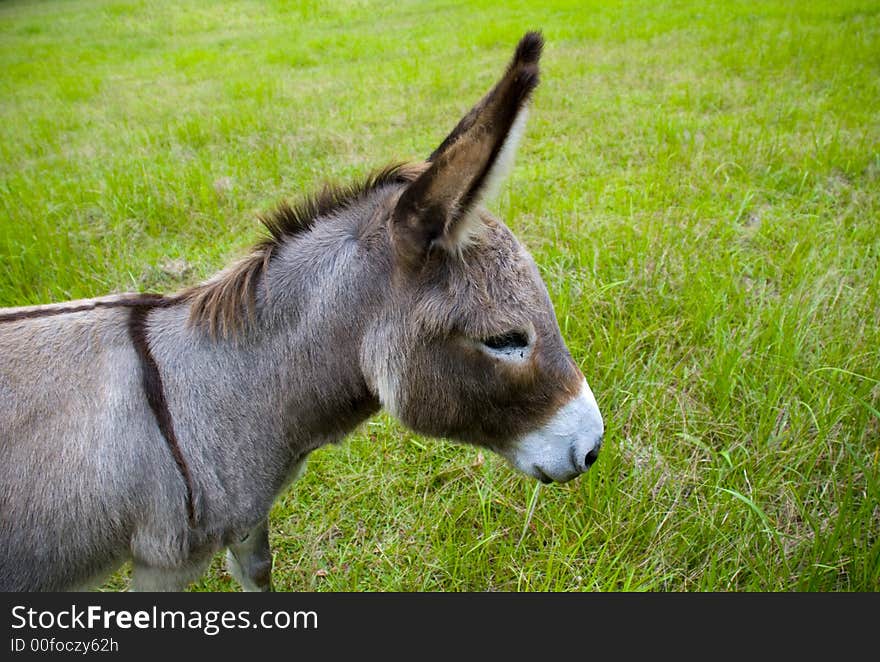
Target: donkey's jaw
x=565, y=446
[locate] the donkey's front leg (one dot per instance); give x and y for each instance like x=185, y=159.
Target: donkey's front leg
x=250, y=560
x=149, y=578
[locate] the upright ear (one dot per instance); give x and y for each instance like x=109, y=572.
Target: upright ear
x=437, y=209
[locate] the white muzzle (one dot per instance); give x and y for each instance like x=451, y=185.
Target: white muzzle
x=566, y=446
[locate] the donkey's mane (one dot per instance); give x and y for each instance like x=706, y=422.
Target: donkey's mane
x=223, y=304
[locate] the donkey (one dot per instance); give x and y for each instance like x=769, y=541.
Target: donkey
x=159, y=429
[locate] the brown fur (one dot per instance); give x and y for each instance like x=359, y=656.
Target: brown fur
x=436, y=206
x=524, y=64
x=493, y=290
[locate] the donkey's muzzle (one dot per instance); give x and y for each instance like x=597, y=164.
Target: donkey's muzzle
x=566, y=446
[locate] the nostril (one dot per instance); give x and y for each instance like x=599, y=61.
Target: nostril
x=591, y=457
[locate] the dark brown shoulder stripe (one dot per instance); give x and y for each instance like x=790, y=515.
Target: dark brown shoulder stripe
x=152, y=300
x=155, y=392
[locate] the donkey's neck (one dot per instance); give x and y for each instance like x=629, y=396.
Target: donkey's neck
x=316, y=300
x=247, y=410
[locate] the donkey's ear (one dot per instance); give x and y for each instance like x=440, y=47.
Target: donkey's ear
x=438, y=208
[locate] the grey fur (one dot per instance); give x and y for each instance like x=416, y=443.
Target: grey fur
x=350, y=313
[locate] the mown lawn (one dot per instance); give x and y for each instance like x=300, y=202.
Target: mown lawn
x=700, y=185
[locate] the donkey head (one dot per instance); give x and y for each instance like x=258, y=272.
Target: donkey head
x=468, y=346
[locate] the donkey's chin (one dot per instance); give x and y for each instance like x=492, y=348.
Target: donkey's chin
x=566, y=446
x=547, y=478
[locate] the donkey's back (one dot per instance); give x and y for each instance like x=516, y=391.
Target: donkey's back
x=72, y=414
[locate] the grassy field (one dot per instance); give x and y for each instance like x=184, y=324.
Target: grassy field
x=700, y=185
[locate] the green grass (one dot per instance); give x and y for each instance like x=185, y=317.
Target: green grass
x=700, y=186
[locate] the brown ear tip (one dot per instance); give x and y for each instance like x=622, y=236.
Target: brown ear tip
x=529, y=49
x=527, y=79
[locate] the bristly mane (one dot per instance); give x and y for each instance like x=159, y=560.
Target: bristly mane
x=223, y=305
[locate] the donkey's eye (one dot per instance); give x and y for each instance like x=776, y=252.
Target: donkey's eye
x=507, y=341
